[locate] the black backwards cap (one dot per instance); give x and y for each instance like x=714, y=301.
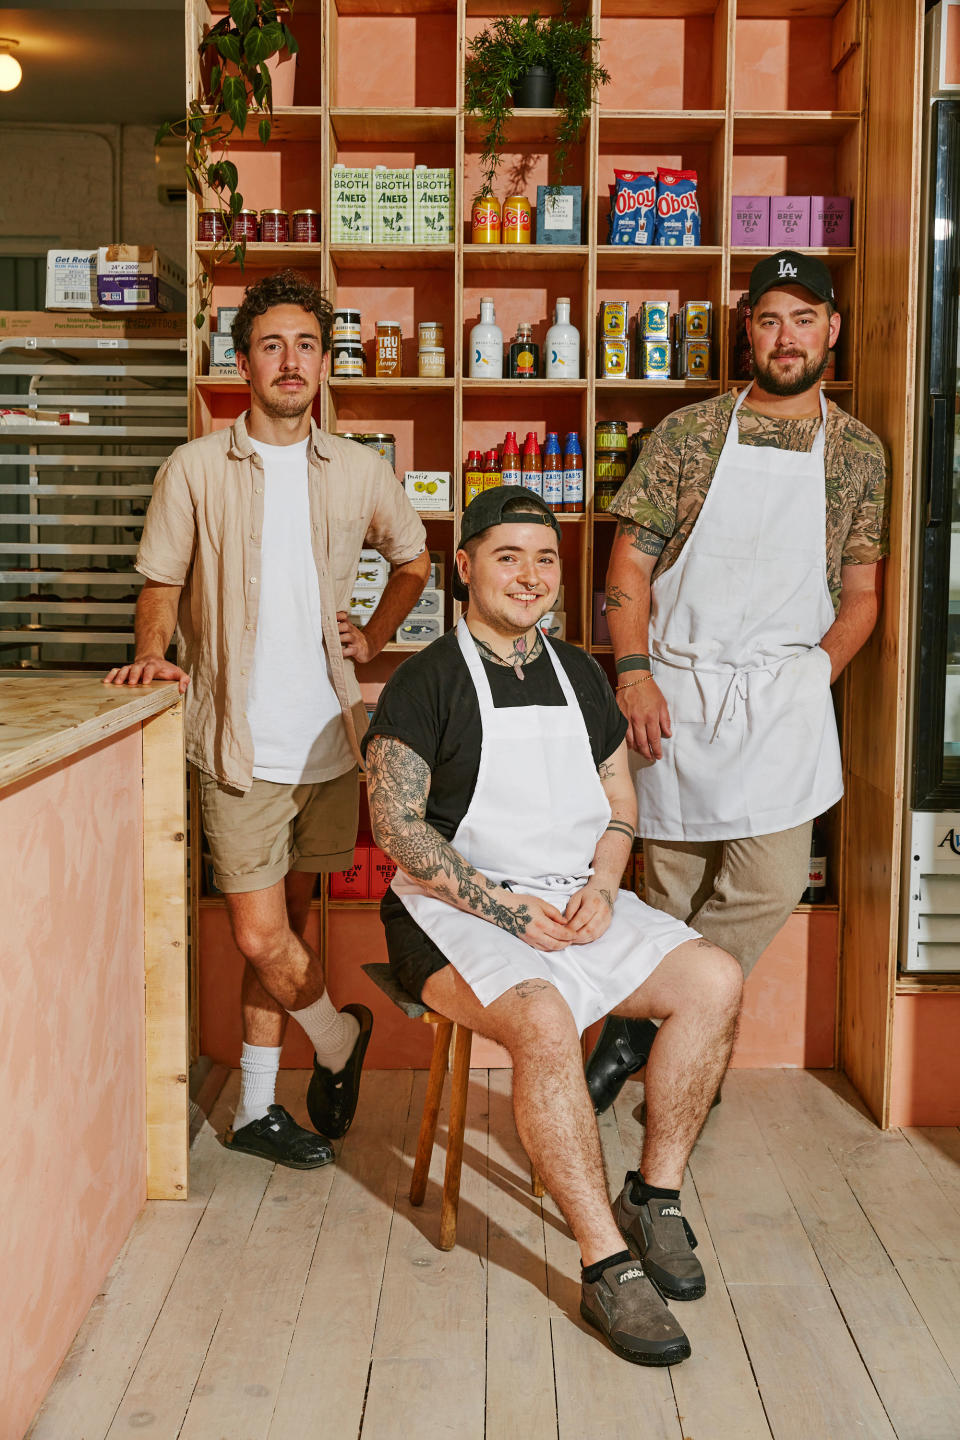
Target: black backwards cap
x=486, y=510
x=789, y=267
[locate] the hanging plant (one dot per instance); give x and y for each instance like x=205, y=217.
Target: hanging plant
x=497, y=66
x=235, y=84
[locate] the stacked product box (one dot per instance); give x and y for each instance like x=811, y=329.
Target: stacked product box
x=428, y=489
x=791, y=222
x=123, y=279
x=368, y=878
x=426, y=620
x=391, y=206
x=372, y=574
x=223, y=360
x=668, y=346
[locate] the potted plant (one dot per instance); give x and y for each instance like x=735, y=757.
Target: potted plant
x=523, y=61
x=237, y=56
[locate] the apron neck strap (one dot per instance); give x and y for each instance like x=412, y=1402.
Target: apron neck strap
x=478, y=674
x=818, y=443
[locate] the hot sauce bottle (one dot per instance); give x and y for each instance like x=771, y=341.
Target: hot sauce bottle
x=531, y=465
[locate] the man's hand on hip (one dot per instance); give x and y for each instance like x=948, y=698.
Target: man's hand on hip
x=648, y=718
x=589, y=912
x=353, y=641
x=146, y=668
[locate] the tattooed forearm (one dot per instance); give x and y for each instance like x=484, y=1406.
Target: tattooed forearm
x=622, y=829
x=617, y=597
x=642, y=539
x=398, y=783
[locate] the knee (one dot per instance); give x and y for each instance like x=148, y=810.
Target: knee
x=725, y=982
x=259, y=944
x=543, y=1026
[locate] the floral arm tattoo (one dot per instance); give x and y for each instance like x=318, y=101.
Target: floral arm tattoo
x=398, y=783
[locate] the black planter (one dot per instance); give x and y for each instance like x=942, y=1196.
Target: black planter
x=535, y=91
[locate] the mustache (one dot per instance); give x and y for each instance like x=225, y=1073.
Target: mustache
x=285, y=379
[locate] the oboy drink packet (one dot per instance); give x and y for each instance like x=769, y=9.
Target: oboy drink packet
x=678, y=213
x=632, y=205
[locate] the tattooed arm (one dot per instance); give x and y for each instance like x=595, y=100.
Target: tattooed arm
x=629, y=574
x=398, y=783
x=590, y=910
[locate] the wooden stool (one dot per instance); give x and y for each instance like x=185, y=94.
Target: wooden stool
x=382, y=977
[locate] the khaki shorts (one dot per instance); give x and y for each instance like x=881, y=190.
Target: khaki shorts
x=257, y=836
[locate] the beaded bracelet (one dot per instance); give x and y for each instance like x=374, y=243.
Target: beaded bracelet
x=647, y=675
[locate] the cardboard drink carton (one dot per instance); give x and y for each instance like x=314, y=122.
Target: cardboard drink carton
x=351, y=209
x=432, y=206
x=392, y=206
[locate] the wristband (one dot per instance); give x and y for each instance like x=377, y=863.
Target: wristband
x=647, y=675
x=633, y=662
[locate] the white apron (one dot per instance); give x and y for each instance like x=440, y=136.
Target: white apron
x=537, y=812
x=735, y=630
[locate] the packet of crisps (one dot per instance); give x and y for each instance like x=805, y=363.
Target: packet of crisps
x=632, y=207
x=678, y=212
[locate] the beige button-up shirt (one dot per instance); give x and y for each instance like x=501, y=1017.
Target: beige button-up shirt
x=203, y=532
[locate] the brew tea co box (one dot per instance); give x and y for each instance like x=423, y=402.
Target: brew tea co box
x=432, y=206
x=790, y=220
x=351, y=207
x=138, y=277
x=830, y=220
x=750, y=220
x=392, y=206
x=558, y=215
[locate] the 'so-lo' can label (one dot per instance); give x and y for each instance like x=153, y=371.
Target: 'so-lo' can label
x=485, y=220
x=516, y=220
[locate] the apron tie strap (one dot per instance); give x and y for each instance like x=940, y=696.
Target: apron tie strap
x=735, y=689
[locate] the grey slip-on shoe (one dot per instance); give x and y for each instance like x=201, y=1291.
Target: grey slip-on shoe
x=625, y=1307
x=660, y=1237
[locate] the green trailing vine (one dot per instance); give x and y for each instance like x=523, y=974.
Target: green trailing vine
x=500, y=55
x=236, y=49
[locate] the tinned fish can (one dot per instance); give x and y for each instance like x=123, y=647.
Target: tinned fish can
x=654, y=360
x=211, y=226
x=485, y=220
x=516, y=220
x=654, y=320
x=695, y=361
x=614, y=359
x=614, y=319
x=305, y=227
x=697, y=319
x=245, y=226
x=274, y=227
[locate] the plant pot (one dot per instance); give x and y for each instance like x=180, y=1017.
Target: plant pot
x=535, y=90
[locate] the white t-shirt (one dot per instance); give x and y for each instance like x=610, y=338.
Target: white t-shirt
x=291, y=702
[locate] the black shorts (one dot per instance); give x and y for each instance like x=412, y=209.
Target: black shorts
x=412, y=954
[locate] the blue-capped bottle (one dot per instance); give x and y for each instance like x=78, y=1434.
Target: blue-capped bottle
x=572, y=475
x=552, y=471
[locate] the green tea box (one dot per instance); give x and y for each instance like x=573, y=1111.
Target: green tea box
x=351, y=209
x=392, y=206
x=432, y=206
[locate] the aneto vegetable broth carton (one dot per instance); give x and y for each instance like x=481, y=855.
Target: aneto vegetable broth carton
x=351, y=205
x=432, y=206
x=392, y=206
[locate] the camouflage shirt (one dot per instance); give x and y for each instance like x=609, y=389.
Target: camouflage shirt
x=664, y=491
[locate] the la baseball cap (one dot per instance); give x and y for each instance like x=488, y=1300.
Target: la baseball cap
x=487, y=509
x=789, y=267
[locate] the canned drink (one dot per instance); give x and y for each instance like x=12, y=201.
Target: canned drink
x=516, y=220
x=485, y=220
x=211, y=226
x=385, y=446
x=274, y=227
x=697, y=319
x=654, y=320
x=346, y=325
x=305, y=227
x=614, y=319
x=245, y=226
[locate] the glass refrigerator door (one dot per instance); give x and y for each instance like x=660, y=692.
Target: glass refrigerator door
x=936, y=768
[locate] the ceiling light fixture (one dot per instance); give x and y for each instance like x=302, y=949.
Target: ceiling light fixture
x=10, y=71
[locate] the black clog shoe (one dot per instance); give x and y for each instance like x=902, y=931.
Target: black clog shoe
x=332, y=1099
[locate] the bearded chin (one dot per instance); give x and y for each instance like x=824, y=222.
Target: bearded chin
x=285, y=407
x=777, y=384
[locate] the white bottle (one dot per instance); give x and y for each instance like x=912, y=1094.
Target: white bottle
x=486, y=345
x=562, y=345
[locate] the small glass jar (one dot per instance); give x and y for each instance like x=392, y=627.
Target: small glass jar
x=349, y=359
x=211, y=226
x=432, y=362
x=245, y=226
x=384, y=444
x=346, y=325
x=610, y=435
x=429, y=333
x=305, y=227
x=274, y=227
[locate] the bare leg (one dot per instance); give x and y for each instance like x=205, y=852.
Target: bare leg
x=264, y=1021
x=696, y=990
x=555, y=1119
x=288, y=970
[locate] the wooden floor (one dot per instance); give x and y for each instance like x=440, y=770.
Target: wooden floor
x=278, y=1305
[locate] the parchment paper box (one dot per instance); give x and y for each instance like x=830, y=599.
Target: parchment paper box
x=558, y=215
x=372, y=571
x=392, y=206
x=432, y=206
x=790, y=221
x=750, y=220
x=71, y=280
x=138, y=277
x=354, y=882
x=431, y=602
x=223, y=359
x=830, y=220
x=351, y=205
x=428, y=489
x=108, y=328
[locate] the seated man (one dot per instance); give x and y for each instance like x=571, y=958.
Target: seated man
x=497, y=779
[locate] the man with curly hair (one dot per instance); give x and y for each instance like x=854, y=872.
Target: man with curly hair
x=250, y=549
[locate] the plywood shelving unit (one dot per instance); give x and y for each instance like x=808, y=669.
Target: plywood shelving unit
x=755, y=96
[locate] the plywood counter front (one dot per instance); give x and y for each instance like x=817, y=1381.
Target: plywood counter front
x=93, y=1062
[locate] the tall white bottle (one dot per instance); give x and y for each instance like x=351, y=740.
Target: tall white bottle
x=562, y=344
x=486, y=345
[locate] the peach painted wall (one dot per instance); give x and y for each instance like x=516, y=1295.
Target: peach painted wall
x=925, y=1071
x=71, y=1052
x=789, y=1011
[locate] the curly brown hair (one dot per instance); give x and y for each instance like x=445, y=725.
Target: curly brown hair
x=287, y=287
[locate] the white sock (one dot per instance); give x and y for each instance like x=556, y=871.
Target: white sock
x=258, y=1082
x=332, y=1033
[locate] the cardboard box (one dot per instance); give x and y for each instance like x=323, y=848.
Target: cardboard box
x=362, y=605
x=392, y=206
x=138, y=277
x=431, y=602
x=223, y=359
x=428, y=489
x=558, y=215
x=43, y=324
x=351, y=205
x=226, y=314
x=750, y=220
x=790, y=221
x=420, y=630
x=372, y=571
x=830, y=220
x=433, y=206
x=354, y=882
x=382, y=871
x=71, y=280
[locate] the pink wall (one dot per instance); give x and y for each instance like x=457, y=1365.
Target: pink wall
x=71, y=1052
x=925, y=1073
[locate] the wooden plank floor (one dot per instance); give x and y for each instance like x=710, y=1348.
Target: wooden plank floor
x=280, y=1305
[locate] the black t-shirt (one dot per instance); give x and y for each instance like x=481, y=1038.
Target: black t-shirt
x=430, y=703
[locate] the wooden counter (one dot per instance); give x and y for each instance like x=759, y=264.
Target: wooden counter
x=93, y=973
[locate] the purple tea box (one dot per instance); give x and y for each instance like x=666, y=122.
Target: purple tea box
x=830, y=219
x=790, y=220
x=750, y=220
